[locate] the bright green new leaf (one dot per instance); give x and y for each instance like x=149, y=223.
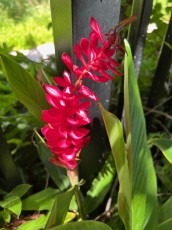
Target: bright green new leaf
x=12, y=203
x=34, y=224
x=28, y=90
x=100, y=186
x=142, y=173
x=60, y=208
x=83, y=225
x=42, y=200
x=165, y=216
x=115, y=135
x=19, y=190
x=57, y=174
x=165, y=145
x=5, y=215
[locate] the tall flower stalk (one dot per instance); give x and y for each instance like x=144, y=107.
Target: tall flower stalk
x=66, y=130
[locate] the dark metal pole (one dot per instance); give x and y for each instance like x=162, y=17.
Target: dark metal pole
x=161, y=73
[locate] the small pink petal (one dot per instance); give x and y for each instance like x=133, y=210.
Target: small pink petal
x=84, y=105
x=93, y=42
x=78, y=53
x=107, y=76
x=78, y=133
x=68, y=155
x=45, y=129
x=67, y=77
x=53, y=101
x=96, y=28
x=82, y=114
x=63, y=143
x=86, y=92
x=114, y=70
x=63, y=131
x=111, y=61
x=78, y=122
x=51, y=116
x=60, y=81
x=53, y=90
x=85, y=46
x=67, y=60
x=56, y=161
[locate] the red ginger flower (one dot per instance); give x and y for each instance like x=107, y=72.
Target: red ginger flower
x=65, y=132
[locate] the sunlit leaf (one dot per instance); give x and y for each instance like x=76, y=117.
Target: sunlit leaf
x=115, y=135
x=70, y=216
x=100, y=187
x=60, y=208
x=5, y=215
x=26, y=88
x=34, y=224
x=42, y=200
x=165, y=145
x=142, y=173
x=19, y=190
x=83, y=225
x=12, y=203
x=58, y=174
x=165, y=216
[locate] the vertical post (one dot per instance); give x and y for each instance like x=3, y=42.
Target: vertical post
x=61, y=13
x=137, y=36
x=106, y=12
x=161, y=73
x=138, y=30
x=70, y=20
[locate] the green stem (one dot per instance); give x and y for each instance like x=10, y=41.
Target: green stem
x=73, y=176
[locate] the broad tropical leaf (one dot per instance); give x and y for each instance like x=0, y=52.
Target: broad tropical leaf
x=42, y=200
x=34, y=224
x=142, y=173
x=115, y=135
x=57, y=174
x=165, y=216
x=83, y=225
x=26, y=88
x=60, y=208
x=13, y=204
x=19, y=190
x=100, y=186
x=165, y=145
x=9, y=174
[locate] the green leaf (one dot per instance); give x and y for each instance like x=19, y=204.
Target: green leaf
x=40, y=201
x=165, y=216
x=26, y=88
x=100, y=186
x=9, y=174
x=12, y=203
x=57, y=174
x=115, y=135
x=34, y=224
x=5, y=215
x=60, y=208
x=83, y=225
x=165, y=145
x=19, y=190
x=142, y=172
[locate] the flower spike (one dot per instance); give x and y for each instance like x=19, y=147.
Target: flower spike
x=66, y=130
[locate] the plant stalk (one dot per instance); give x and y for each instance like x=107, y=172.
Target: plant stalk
x=73, y=177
